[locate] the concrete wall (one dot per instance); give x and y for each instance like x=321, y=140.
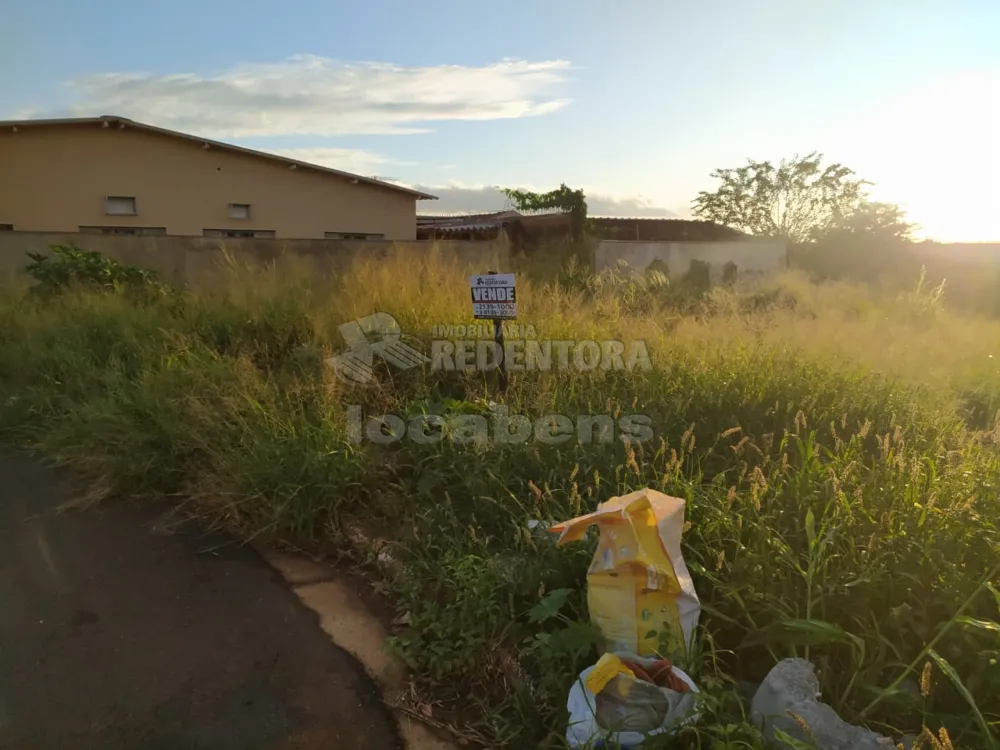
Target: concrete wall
x=966, y=252
x=55, y=179
x=748, y=255
x=198, y=260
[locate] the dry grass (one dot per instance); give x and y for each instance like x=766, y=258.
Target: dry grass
x=785, y=412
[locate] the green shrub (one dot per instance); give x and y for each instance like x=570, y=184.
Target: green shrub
x=70, y=266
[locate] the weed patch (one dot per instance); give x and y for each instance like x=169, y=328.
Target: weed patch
x=837, y=450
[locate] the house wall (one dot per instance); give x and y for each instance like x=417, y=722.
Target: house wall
x=748, y=255
x=200, y=260
x=55, y=179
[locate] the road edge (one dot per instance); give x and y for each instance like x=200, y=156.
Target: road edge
x=352, y=626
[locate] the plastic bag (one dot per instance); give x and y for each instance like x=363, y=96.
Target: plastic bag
x=638, y=586
x=626, y=710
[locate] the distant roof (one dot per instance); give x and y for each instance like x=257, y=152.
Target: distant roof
x=461, y=222
x=657, y=220
x=653, y=227
x=646, y=218
x=123, y=121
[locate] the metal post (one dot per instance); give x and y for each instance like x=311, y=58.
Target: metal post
x=498, y=337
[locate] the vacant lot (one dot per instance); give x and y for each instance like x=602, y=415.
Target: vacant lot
x=836, y=445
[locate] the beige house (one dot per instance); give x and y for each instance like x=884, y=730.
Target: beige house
x=117, y=176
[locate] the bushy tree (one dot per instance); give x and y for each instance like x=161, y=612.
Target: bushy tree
x=880, y=221
x=798, y=200
x=563, y=198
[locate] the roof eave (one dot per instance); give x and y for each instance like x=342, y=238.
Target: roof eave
x=419, y=195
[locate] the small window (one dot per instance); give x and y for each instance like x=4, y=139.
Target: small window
x=119, y=205
x=6, y=227
x=239, y=210
x=123, y=230
x=238, y=233
x=352, y=236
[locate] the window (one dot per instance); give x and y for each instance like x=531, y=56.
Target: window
x=6, y=227
x=123, y=230
x=239, y=210
x=119, y=205
x=238, y=233
x=352, y=236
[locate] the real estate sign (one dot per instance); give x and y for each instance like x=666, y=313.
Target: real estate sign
x=494, y=296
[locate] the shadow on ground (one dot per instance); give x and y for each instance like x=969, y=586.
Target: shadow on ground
x=114, y=634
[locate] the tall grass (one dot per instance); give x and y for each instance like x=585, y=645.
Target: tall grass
x=837, y=449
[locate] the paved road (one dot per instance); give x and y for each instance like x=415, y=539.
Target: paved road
x=116, y=635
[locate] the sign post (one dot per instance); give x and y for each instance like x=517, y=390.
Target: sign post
x=494, y=297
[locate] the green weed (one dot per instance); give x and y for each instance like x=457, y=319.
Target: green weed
x=836, y=446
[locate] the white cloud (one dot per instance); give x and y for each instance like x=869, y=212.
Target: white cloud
x=311, y=95
x=632, y=207
x=458, y=198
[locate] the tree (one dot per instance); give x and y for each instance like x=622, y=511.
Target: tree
x=798, y=200
x=878, y=221
x=573, y=202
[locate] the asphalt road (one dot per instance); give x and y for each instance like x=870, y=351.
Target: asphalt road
x=117, y=634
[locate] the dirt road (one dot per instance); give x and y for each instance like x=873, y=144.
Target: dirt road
x=114, y=634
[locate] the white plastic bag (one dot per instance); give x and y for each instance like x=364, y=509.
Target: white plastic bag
x=584, y=731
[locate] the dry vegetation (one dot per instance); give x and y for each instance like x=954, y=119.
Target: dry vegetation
x=836, y=444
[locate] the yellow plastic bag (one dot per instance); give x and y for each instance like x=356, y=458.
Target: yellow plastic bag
x=638, y=585
x=607, y=668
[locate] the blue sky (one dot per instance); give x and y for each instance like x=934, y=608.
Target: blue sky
x=636, y=101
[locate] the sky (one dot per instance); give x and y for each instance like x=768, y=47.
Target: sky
x=636, y=101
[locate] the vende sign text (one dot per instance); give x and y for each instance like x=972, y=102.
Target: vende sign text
x=494, y=296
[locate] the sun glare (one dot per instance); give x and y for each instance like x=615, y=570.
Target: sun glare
x=935, y=150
